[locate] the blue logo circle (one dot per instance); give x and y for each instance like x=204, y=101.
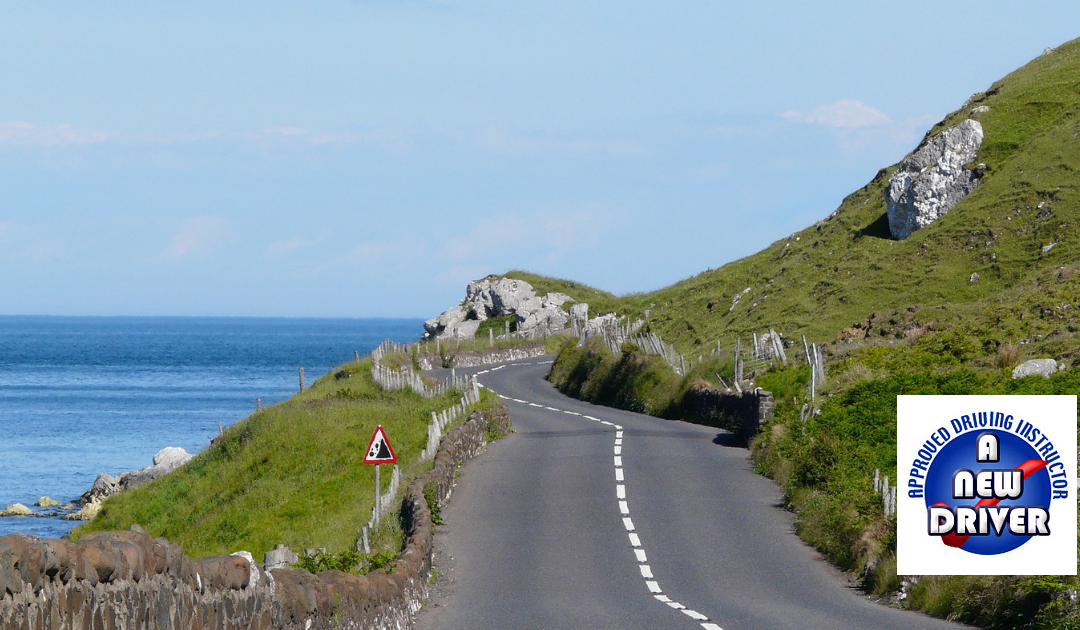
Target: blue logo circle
x=960, y=454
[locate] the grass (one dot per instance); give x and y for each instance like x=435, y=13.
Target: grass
x=291, y=473
x=898, y=317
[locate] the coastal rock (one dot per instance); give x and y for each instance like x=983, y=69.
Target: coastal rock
x=933, y=179
x=167, y=460
x=104, y=486
x=1046, y=367
x=556, y=299
x=86, y=513
x=46, y=502
x=462, y=330
x=16, y=509
x=580, y=311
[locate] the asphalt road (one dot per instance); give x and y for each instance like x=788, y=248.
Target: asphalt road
x=590, y=517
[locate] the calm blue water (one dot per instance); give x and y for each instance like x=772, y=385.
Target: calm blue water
x=85, y=395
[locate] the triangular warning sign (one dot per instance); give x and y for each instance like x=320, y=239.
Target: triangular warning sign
x=379, y=450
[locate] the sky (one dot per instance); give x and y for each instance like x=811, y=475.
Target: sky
x=368, y=158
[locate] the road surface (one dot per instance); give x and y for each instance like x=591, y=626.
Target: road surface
x=595, y=518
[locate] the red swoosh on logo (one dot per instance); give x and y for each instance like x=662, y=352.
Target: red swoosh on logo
x=1029, y=468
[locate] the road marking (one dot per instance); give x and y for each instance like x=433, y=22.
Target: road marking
x=624, y=509
x=484, y=372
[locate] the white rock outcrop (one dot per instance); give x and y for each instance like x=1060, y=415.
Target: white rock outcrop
x=495, y=296
x=16, y=509
x=1045, y=367
x=933, y=179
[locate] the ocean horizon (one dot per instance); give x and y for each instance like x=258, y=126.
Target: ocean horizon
x=83, y=395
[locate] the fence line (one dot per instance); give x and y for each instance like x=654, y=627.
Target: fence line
x=887, y=492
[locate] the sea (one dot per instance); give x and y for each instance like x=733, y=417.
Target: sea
x=81, y=396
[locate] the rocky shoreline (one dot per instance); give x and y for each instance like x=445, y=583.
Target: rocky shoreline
x=87, y=506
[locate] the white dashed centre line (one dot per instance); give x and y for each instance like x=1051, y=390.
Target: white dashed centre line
x=624, y=509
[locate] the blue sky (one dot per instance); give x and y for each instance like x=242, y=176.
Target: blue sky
x=368, y=158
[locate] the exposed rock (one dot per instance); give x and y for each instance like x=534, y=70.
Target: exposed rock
x=974, y=277
x=933, y=179
x=104, y=486
x=16, y=509
x=86, y=513
x=551, y=316
x=46, y=502
x=1047, y=50
x=172, y=457
x=580, y=310
x=1046, y=248
x=167, y=460
x=981, y=109
x=1046, y=367
x=498, y=297
x=556, y=299
x=508, y=295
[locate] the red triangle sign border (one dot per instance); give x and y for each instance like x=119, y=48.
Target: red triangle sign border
x=379, y=456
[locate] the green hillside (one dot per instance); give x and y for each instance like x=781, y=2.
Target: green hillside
x=845, y=268
x=896, y=317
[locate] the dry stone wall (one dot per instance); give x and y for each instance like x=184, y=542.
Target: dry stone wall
x=742, y=413
x=129, y=580
x=471, y=358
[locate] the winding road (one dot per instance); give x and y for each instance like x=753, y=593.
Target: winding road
x=595, y=518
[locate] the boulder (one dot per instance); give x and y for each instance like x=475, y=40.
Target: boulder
x=1046, y=367
x=552, y=316
x=16, y=509
x=46, y=502
x=933, y=179
x=556, y=299
x=507, y=295
x=86, y=513
x=172, y=457
x=462, y=330
x=104, y=486
x=580, y=311
x=448, y=319
x=478, y=294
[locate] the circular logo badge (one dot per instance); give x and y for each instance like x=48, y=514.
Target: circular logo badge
x=963, y=454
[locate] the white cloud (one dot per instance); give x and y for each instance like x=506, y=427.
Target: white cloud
x=196, y=235
x=843, y=114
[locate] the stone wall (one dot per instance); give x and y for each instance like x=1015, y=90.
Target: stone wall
x=128, y=580
x=471, y=358
x=742, y=413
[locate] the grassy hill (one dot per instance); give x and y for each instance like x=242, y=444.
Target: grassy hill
x=899, y=317
x=290, y=473
x=845, y=268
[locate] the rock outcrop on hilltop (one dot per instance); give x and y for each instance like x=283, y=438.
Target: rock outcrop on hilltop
x=933, y=179
x=495, y=296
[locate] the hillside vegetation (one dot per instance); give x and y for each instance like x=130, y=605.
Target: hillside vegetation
x=896, y=317
x=290, y=473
